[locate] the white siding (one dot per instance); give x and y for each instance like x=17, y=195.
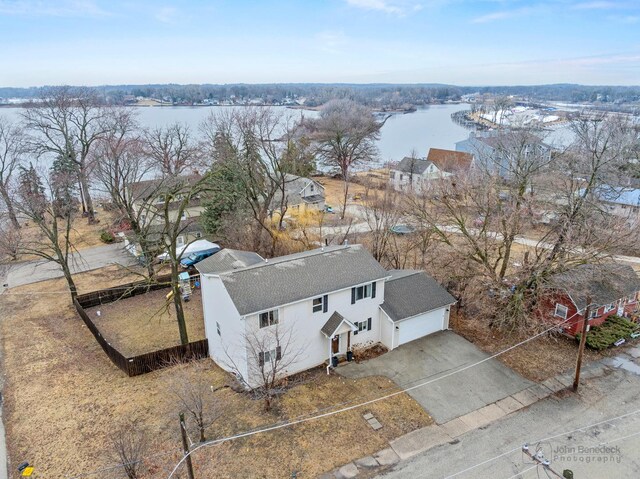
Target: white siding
x=386, y=330
x=299, y=320
x=218, y=307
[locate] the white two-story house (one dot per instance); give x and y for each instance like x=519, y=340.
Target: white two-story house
x=328, y=301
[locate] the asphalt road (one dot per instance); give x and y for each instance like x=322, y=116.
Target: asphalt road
x=84, y=260
x=610, y=449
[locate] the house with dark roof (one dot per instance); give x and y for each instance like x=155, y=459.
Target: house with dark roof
x=614, y=289
x=301, y=194
x=411, y=174
x=327, y=302
x=148, y=200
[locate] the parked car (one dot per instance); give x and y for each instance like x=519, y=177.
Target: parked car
x=194, y=258
x=402, y=229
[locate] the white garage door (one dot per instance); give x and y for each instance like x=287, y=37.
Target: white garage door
x=420, y=326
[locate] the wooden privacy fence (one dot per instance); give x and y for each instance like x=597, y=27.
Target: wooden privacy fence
x=143, y=363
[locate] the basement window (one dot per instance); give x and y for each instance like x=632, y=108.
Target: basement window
x=561, y=311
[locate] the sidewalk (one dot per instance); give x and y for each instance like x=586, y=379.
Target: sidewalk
x=421, y=440
x=3, y=449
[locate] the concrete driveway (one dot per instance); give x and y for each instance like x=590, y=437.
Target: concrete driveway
x=434, y=356
x=84, y=260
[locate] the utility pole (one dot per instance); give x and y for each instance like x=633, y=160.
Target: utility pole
x=583, y=341
x=185, y=446
x=540, y=460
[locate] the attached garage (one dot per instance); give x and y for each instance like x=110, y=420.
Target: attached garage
x=419, y=326
x=415, y=305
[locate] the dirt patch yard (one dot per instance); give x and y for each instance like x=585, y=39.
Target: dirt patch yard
x=147, y=322
x=64, y=399
x=537, y=360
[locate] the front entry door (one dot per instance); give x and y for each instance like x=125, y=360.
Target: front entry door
x=335, y=344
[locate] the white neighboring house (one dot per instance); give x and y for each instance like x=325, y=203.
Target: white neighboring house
x=412, y=173
x=330, y=300
x=623, y=202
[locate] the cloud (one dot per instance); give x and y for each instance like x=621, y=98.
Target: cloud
x=62, y=8
x=394, y=7
x=506, y=14
x=166, y=14
x=331, y=41
x=597, y=5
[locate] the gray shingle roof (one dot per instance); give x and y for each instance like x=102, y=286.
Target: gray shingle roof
x=332, y=324
x=228, y=260
x=409, y=293
x=605, y=283
x=418, y=165
x=299, y=276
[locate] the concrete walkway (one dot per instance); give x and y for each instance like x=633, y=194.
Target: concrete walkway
x=82, y=261
x=424, y=439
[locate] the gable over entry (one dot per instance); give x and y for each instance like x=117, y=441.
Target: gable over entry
x=338, y=330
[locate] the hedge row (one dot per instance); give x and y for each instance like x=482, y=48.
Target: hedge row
x=613, y=329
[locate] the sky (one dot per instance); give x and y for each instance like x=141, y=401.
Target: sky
x=460, y=42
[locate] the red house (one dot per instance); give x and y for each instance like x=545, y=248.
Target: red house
x=613, y=288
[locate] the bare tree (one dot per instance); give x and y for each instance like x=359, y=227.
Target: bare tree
x=173, y=149
x=12, y=149
x=194, y=393
x=252, y=144
x=66, y=124
x=270, y=353
x=122, y=170
x=129, y=444
x=177, y=194
x=51, y=206
x=11, y=240
x=382, y=212
x=345, y=134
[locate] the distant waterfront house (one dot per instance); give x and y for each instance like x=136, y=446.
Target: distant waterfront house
x=496, y=152
x=412, y=173
x=613, y=288
x=302, y=194
x=451, y=161
x=621, y=201
x=149, y=198
x=330, y=300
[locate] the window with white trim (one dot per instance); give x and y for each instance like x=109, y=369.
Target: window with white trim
x=180, y=241
x=609, y=307
x=593, y=313
x=268, y=318
x=561, y=311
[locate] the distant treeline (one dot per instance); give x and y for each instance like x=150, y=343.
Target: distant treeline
x=374, y=95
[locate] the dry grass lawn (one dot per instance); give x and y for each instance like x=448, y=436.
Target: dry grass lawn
x=539, y=359
x=64, y=398
x=147, y=322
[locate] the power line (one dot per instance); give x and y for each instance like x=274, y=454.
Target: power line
x=302, y=416
x=365, y=403
x=565, y=433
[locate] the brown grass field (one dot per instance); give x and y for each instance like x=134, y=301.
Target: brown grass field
x=147, y=322
x=64, y=399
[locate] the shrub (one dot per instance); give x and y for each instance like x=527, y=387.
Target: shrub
x=613, y=329
x=107, y=237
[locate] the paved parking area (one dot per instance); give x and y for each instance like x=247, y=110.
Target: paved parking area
x=436, y=356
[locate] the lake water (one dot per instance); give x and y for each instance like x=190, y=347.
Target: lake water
x=426, y=128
